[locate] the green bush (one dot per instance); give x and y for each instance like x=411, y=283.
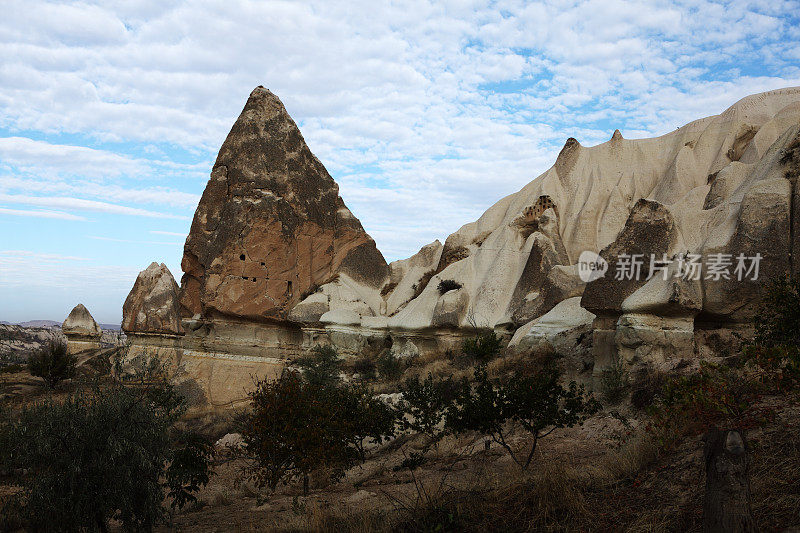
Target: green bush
x=366, y=367
x=298, y=425
x=390, y=366
x=614, y=382
x=778, y=321
x=425, y=404
x=99, y=456
x=52, y=363
x=322, y=366
x=482, y=347
x=537, y=403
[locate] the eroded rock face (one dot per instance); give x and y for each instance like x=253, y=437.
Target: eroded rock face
x=81, y=323
x=153, y=305
x=649, y=231
x=270, y=226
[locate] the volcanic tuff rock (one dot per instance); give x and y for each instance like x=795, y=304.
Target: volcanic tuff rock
x=81, y=323
x=153, y=305
x=715, y=185
x=270, y=227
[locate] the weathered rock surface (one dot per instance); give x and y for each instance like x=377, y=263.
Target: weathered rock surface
x=153, y=305
x=18, y=342
x=81, y=323
x=270, y=226
x=81, y=330
x=275, y=263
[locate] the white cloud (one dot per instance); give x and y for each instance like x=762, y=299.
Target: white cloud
x=424, y=111
x=40, y=213
x=78, y=204
x=171, y=233
x=131, y=241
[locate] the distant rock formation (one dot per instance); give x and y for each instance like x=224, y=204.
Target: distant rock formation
x=81, y=330
x=275, y=263
x=270, y=227
x=153, y=305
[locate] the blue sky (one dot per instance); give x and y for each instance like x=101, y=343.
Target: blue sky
x=425, y=112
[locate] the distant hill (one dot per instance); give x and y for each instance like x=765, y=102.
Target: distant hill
x=39, y=324
x=51, y=324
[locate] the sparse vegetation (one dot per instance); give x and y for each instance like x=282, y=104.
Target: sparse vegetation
x=482, y=347
x=420, y=285
x=301, y=423
x=365, y=367
x=447, y=285
x=388, y=288
x=614, y=382
x=536, y=403
x=52, y=363
x=390, y=367
x=98, y=456
x=320, y=367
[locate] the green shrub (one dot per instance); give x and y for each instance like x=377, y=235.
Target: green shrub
x=390, y=366
x=52, y=363
x=537, y=403
x=482, y=347
x=424, y=409
x=298, y=425
x=425, y=404
x=322, y=366
x=98, y=456
x=366, y=367
x=189, y=469
x=778, y=320
x=614, y=382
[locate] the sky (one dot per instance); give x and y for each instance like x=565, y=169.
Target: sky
x=424, y=112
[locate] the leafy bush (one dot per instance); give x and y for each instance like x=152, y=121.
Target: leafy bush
x=52, y=363
x=322, y=366
x=715, y=396
x=366, y=367
x=778, y=320
x=425, y=405
x=98, y=456
x=536, y=403
x=424, y=409
x=482, y=347
x=189, y=469
x=646, y=388
x=389, y=365
x=614, y=382
x=447, y=285
x=299, y=425
x=364, y=418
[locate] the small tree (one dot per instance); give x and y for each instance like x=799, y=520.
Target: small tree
x=537, y=403
x=364, y=418
x=189, y=469
x=298, y=426
x=98, y=456
x=425, y=404
x=365, y=367
x=321, y=366
x=52, y=363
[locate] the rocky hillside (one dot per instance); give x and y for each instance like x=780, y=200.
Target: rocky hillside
x=715, y=185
